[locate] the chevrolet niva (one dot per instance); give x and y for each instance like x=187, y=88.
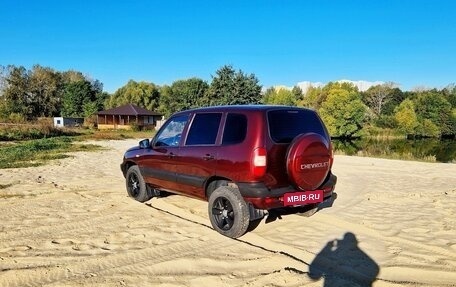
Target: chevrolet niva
x=245, y=160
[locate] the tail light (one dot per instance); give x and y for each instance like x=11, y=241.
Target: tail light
x=331, y=155
x=259, y=162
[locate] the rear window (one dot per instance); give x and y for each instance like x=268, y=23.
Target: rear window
x=285, y=125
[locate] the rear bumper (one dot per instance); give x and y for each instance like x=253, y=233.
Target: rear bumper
x=262, y=197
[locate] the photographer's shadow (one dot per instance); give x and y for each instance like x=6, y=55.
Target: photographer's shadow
x=342, y=262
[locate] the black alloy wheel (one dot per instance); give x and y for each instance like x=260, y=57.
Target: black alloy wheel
x=223, y=213
x=228, y=212
x=133, y=185
x=136, y=186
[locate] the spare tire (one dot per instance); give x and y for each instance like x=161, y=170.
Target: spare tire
x=308, y=161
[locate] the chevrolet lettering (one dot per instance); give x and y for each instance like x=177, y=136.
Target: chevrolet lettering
x=315, y=165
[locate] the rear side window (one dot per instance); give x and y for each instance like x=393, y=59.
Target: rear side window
x=285, y=125
x=235, y=129
x=204, y=129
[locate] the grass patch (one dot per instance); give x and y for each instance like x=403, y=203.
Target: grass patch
x=116, y=134
x=33, y=131
x=38, y=152
x=35, y=144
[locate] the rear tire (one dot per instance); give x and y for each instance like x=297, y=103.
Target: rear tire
x=136, y=186
x=228, y=212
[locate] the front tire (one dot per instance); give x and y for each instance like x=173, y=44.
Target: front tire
x=228, y=212
x=136, y=186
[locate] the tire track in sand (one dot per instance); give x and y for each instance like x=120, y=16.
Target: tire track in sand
x=110, y=263
x=23, y=236
x=389, y=274
x=401, y=274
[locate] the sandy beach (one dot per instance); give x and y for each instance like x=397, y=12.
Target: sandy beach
x=71, y=223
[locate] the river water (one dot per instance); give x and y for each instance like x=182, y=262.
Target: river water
x=433, y=150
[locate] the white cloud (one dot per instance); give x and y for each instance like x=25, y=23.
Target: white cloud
x=362, y=85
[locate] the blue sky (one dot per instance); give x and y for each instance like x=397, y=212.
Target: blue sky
x=412, y=43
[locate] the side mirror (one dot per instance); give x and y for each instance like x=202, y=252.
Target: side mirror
x=144, y=143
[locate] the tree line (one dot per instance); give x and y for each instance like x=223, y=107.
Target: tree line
x=346, y=111
x=44, y=92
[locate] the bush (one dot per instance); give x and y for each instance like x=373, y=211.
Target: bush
x=42, y=129
x=386, y=121
x=135, y=127
x=16, y=118
x=426, y=128
x=90, y=122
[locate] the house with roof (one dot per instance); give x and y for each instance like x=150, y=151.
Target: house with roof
x=127, y=116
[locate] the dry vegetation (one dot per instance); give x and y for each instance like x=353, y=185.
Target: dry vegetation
x=33, y=144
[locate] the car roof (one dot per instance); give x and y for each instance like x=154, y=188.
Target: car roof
x=232, y=108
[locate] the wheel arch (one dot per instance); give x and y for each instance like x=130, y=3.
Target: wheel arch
x=215, y=182
x=127, y=165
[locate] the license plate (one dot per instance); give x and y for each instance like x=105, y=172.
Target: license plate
x=302, y=198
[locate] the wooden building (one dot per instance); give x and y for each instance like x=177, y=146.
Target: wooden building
x=127, y=116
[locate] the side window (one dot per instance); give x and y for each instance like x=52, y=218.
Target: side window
x=235, y=129
x=171, y=133
x=204, y=129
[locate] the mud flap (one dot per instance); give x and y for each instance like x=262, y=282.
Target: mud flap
x=152, y=192
x=256, y=213
x=328, y=202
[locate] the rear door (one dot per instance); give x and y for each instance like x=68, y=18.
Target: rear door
x=198, y=155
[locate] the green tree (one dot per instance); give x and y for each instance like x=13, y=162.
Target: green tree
x=426, y=128
x=45, y=92
x=182, y=95
x=15, y=94
x=101, y=98
x=279, y=96
x=82, y=97
x=143, y=94
x=4, y=72
x=432, y=105
x=298, y=95
x=89, y=108
x=376, y=97
x=233, y=88
x=268, y=95
x=450, y=93
x=343, y=111
x=76, y=95
x=406, y=118
x=314, y=98
x=395, y=98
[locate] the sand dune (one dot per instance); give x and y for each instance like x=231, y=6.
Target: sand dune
x=70, y=223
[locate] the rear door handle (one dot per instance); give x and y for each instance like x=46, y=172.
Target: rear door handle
x=208, y=157
x=171, y=155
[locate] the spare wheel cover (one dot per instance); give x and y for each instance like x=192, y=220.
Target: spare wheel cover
x=308, y=161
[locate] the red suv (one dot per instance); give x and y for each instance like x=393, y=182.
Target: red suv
x=244, y=160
